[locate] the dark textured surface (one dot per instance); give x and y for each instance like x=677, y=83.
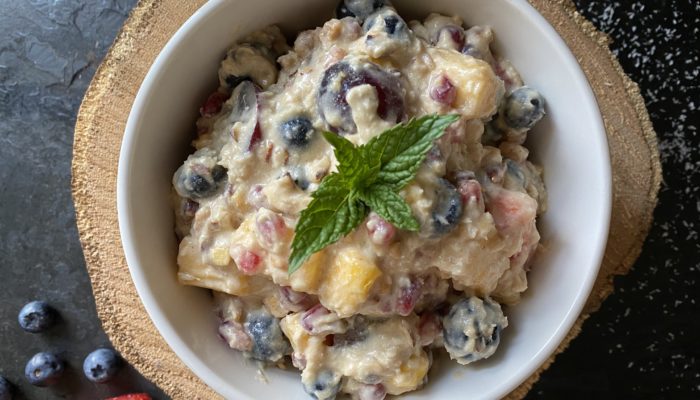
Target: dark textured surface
x=642, y=344
x=49, y=51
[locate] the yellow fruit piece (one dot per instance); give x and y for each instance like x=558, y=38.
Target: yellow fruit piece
x=308, y=277
x=194, y=272
x=348, y=282
x=219, y=256
x=410, y=375
x=478, y=88
x=297, y=335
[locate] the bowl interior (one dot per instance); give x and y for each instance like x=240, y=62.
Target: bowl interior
x=567, y=142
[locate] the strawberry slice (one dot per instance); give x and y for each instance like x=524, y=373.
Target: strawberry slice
x=134, y=396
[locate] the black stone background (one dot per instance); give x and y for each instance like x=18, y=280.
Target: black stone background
x=642, y=344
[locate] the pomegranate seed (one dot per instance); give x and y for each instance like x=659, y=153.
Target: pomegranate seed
x=456, y=36
x=443, y=91
x=408, y=297
x=293, y=300
x=371, y=392
x=189, y=209
x=271, y=228
x=247, y=261
x=329, y=340
x=256, y=137
x=307, y=320
x=470, y=189
x=213, y=104
x=429, y=328
x=380, y=230
x=256, y=197
x=503, y=74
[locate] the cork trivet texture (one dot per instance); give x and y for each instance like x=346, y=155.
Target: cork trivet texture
x=106, y=106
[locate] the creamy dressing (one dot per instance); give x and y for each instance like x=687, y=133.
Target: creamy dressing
x=363, y=315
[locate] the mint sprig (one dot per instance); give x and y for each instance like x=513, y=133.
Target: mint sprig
x=368, y=177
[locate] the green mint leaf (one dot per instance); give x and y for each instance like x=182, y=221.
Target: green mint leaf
x=349, y=159
x=390, y=206
x=368, y=177
x=402, y=149
x=352, y=165
x=332, y=214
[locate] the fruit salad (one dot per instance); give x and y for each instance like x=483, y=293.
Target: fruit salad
x=366, y=314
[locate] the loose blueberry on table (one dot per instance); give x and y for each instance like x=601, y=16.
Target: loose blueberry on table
x=45, y=369
x=6, y=389
x=37, y=317
x=102, y=365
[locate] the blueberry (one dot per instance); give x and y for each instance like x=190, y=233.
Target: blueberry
x=339, y=78
x=447, y=209
x=200, y=185
x=37, y=316
x=299, y=177
x=325, y=386
x=359, y=9
x=102, y=365
x=472, y=51
x=232, y=80
x=390, y=22
x=269, y=343
x=492, y=135
x=356, y=332
x=515, y=175
x=6, y=389
x=297, y=132
x=44, y=369
x=471, y=329
x=218, y=173
x=523, y=108
x=197, y=181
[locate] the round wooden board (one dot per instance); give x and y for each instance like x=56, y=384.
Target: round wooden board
x=100, y=127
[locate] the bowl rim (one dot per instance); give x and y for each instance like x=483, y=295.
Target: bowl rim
x=190, y=358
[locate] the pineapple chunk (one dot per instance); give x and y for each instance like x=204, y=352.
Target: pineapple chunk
x=219, y=256
x=411, y=374
x=308, y=277
x=348, y=282
x=193, y=271
x=478, y=88
x=306, y=347
x=297, y=335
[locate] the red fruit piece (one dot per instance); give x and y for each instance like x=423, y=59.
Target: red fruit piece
x=443, y=91
x=271, y=229
x=511, y=210
x=380, y=231
x=293, y=300
x=429, y=327
x=213, y=104
x=247, y=261
x=456, y=36
x=408, y=297
x=135, y=396
x=371, y=392
x=470, y=189
x=307, y=320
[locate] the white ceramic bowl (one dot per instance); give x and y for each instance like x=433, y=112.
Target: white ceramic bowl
x=570, y=142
